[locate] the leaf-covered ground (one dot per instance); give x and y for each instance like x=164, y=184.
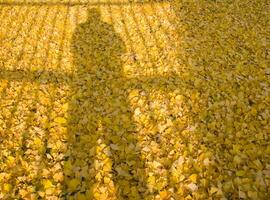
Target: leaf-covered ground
x=134, y=100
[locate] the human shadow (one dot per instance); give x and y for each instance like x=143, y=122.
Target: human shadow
x=103, y=148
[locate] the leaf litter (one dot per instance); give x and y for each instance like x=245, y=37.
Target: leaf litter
x=149, y=100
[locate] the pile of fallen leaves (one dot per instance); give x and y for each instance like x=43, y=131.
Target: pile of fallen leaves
x=134, y=100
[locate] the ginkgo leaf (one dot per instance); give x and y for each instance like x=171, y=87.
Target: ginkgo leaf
x=73, y=184
x=60, y=120
x=47, y=184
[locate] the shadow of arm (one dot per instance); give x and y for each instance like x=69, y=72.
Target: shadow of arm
x=41, y=77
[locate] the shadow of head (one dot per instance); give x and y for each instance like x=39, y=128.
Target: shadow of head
x=93, y=14
x=96, y=45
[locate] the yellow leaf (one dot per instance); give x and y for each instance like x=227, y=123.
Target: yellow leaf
x=240, y=173
x=164, y=194
x=73, y=184
x=10, y=159
x=192, y=186
x=47, y=184
x=242, y=195
x=67, y=167
x=122, y=172
x=60, y=120
x=23, y=192
x=38, y=142
x=258, y=164
x=106, y=180
x=41, y=193
x=252, y=194
x=7, y=187
x=151, y=180
x=81, y=196
x=65, y=107
x=193, y=178
x=213, y=190
x=237, y=159
x=58, y=177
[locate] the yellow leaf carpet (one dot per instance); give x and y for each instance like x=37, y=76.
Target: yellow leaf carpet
x=135, y=100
